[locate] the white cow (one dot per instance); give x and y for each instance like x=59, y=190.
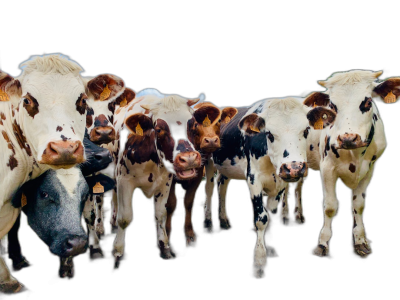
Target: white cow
x=264, y=144
x=42, y=122
x=350, y=147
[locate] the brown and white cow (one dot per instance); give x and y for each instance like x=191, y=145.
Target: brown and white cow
x=203, y=132
x=35, y=136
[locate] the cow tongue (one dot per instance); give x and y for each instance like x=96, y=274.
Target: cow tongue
x=187, y=172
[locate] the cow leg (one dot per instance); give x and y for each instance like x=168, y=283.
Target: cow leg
x=299, y=207
x=222, y=187
x=330, y=209
x=99, y=215
x=285, y=207
x=89, y=214
x=125, y=189
x=8, y=284
x=189, y=199
x=114, y=211
x=14, y=247
x=209, y=192
x=361, y=245
x=3, y=243
x=66, y=267
x=160, y=203
x=171, y=205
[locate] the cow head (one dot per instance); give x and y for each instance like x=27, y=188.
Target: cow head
x=204, y=127
x=53, y=204
x=284, y=122
x=350, y=94
x=103, y=92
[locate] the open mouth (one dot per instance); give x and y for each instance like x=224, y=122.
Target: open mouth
x=291, y=179
x=183, y=174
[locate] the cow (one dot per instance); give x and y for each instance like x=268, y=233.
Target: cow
x=203, y=132
x=264, y=144
x=349, y=148
x=35, y=136
x=156, y=149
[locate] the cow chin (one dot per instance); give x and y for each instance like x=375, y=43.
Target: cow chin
x=185, y=174
x=291, y=179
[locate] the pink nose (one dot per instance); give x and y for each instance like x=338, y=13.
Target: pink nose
x=63, y=153
x=210, y=144
x=350, y=141
x=293, y=171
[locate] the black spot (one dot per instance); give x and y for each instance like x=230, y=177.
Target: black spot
x=333, y=106
x=64, y=138
x=285, y=153
x=270, y=137
x=306, y=132
x=251, y=177
x=327, y=145
x=151, y=177
x=273, y=175
x=212, y=179
x=373, y=158
x=311, y=147
x=334, y=150
x=374, y=117
x=258, y=209
x=352, y=168
x=370, y=136
x=259, y=108
x=366, y=105
x=278, y=197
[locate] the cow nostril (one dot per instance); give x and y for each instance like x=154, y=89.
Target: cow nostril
x=207, y=140
x=355, y=138
x=97, y=132
x=53, y=148
x=182, y=160
x=98, y=157
x=285, y=168
x=69, y=245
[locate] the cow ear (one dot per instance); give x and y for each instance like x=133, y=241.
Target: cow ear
x=227, y=114
x=388, y=90
x=139, y=124
x=106, y=87
x=20, y=197
x=9, y=86
x=252, y=124
x=317, y=99
x=126, y=97
x=100, y=183
x=320, y=117
x=206, y=114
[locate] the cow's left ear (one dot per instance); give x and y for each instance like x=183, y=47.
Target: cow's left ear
x=227, y=114
x=9, y=86
x=320, y=117
x=105, y=87
x=21, y=195
x=252, y=124
x=388, y=90
x=206, y=114
x=126, y=97
x=317, y=99
x=100, y=183
x=139, y=124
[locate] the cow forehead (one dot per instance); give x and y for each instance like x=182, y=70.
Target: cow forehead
x=345, y=95
x=175, y=119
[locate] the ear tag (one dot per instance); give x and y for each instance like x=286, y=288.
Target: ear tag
x=23, y=200
x=123, y=102
x=319, y=124
x=105, y=93
x=227, y=120
x=3, y=96
x=139, y=130
x=98, y=188
x=390, y=98
x=254, y=128
x=206, y=122
x=315, y=104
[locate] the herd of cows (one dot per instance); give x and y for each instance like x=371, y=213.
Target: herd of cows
x=60, y=131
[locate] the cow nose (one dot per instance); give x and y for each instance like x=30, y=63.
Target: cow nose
x=63, y=153
x=349, y=141
x=210, y=144
x=75, y=245
x=291, y=172
x=188, y=159
x=102, y=135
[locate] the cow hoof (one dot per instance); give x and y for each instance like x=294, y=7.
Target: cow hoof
x=11, y=286
x=285, y=220
x=300, y=219
x=114, y=228
x=208, y=225
x=100, y=230
x=362, y=249
x=117, y=261
x=274, y=211
x=166, y=253
x=66, y=267
x=224, y=224
x=95, y=252
x=259, y=272
x=321, y=251
x=271, y=252
x=190, y=240
x=20, y=263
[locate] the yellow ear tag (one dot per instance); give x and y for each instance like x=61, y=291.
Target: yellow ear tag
x=315, y=104
x=254, y=128
x=227, y=120
x=390, y=98
x=98, y=188
x=23, y=200
x=139, y=130
x=320, y=124
x=123, y=102
x=3, y=96
x=206, y=122
x=105, y=93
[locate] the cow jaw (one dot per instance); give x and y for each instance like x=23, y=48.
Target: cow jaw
x=186, y=174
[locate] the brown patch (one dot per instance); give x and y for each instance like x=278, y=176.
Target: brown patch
x=59, y=128
x=126, y=97
x=252, y=124
x=227, y=114
x=327, y=116
x=179, y=122
x=317, y=99
x=391, y=87
x=165, y=142
x=352, y=168
x=97, y=85
x=31, y=105
x=81, y=103
x=12, y=162
x=140, y=149
x=10, y=86
x=18, y=133
x=354, y=197
x=329, y=212
x=9, y=143
x=72, y=128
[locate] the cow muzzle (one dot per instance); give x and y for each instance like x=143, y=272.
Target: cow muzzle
x=63, y=154
x=102, y=135
x=73, y=245
x=350, y=141
x=210, y=144
x=186, y=164
x=293, y=171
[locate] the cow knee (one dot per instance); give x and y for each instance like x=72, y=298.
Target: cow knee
x=330, y=210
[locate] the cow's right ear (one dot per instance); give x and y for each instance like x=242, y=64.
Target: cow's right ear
x=320, y=117
x=317, y=99
x=106, y=87
x=139, y=124
x=20, y=197
x=227, y=114
x=126, y=97
x=389, y=90
x=9, y=87
x=252, y=124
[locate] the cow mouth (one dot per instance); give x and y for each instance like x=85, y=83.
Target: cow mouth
x=186, y=174
x=291, y=179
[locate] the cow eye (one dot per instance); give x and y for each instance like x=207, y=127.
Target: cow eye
x=27, y=101
x=158, y=130
x=44, y=194
x=83, y=101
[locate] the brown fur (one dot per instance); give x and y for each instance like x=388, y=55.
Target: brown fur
x=317, y=113
x=81, y=105
x=317, y=99
x=21, y=138
x=389, y=85
x=97, y=85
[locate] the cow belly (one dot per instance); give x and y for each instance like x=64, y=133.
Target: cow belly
x=8, y=215
x=233, y=169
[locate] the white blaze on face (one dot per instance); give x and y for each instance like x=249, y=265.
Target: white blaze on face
x=69, y=178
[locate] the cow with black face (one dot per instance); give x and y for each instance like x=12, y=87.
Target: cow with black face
x=349, y=148
x=265, y=144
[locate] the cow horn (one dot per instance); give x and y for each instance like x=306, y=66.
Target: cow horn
x=321, y=83
x=378, y=73
x=194, y=101
x=145, y=106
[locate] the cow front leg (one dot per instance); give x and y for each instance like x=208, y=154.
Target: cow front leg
x=189, y=199
x=223, y=182
x=66, y=267
x=160, y=203
x=14, y=247
x=171, y=205
x=330, y=209
x=99, y=215
x=114, y=211
x=125, y=188
x=299, y=207
x=361, y=245
x=8, y=284
x=285, y=206
x=89, y=214
x=209, y=192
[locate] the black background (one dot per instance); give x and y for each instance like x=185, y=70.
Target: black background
x=235, y=56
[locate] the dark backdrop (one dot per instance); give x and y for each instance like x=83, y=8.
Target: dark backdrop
x=234, y=61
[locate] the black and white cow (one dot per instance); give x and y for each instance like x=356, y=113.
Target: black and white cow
x=350, y=147
x=264, y=144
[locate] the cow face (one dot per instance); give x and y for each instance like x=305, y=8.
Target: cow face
x=204, y=127
x=103, y=92
x=53, y=204
x=284, y=122
x=350, y=95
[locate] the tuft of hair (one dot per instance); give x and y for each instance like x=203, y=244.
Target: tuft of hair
x=350, y=77
x=50, y=63
x=283, y=105
x=167, y=104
